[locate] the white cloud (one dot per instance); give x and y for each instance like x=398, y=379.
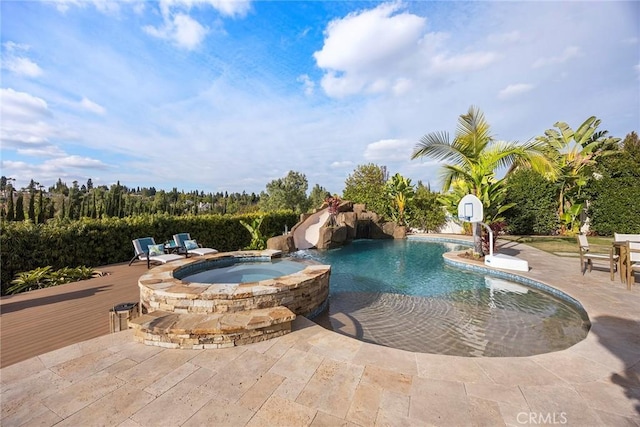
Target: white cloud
x=188, y=32
x=505, y=38
x=230, y=8
x=89, y=105
x=441, y=64
x=402, y=86
x=109, y=7
x=43, y=151
x=389, y=150
x=386, y=50
x=515, y=89
x=569, y=53
x=15, y=62
x=307, y=83
x=341, y=164
x=361, y=49
x=20, y=105
x=185, y=31
x=368, y=38
x=181, y=29
x=27, y=122
x=64, y=5
x=66, y=168
x=76, y=162
x=22, y=66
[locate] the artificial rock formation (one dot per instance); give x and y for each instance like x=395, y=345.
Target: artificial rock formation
x=352, y=221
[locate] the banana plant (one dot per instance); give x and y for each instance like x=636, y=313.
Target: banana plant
x=574, y=153
x=400, y=192
x=258, y=241
x=571, y=219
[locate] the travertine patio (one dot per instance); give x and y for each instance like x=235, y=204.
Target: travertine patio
x=316, y=377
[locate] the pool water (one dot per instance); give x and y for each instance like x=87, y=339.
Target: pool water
x=246, y=271
x=399, y=293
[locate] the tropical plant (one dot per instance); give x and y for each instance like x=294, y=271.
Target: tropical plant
x=70, y=274
x=44, y=277
x=400, y=192
x=30, y=280
x=574, y=154
x=474, y=156
x=258, y=241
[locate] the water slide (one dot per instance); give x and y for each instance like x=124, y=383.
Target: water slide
x=307, y=234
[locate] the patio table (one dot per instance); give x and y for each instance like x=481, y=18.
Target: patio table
x=170, y=247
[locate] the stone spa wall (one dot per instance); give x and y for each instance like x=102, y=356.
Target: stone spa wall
x=201, y=315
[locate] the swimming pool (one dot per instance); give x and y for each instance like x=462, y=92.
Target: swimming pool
x=400, y=293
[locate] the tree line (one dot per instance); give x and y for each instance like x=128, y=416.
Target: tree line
x=552, y=183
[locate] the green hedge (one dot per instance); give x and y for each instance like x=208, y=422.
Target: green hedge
x=535, y=206
x=97, y=242
x=615, y=195
x=616, y=207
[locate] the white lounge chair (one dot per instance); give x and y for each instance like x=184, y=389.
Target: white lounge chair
x=188, y=246
x=586, y=257
x=147, y=249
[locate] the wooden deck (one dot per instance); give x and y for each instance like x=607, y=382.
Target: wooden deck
x=40, y=321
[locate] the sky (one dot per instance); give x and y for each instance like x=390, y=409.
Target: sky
x=216, y=95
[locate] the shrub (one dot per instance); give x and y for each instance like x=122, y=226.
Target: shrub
x=44, y=277
x=535, y=204
x=95, y=242
x=427, y=212
x=614, y=196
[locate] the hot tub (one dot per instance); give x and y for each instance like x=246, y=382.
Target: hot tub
x=227, y=299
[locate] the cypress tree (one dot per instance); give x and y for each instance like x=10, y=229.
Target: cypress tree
x=32, y=206
x=41, y=212
x=52, y=209
x=19, y=216
x=10, y=208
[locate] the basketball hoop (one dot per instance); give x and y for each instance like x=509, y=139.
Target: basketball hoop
x=470, y=209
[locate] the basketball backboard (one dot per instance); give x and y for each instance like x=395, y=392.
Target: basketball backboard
x=470, y=209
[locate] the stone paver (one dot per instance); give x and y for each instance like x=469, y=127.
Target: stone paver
x=314, y=377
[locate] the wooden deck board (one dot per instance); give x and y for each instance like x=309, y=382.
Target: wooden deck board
x=40, y=321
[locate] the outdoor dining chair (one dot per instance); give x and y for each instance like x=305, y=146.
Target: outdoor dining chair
x=587, y=257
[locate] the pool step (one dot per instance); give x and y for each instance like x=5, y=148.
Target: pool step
x=211, y=330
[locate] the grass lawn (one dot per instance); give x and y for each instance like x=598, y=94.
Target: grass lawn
x=562, y=245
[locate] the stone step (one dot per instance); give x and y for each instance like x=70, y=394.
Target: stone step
x=211, y=330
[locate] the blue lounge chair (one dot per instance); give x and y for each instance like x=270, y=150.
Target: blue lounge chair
x=189, y=246
x=147, y=249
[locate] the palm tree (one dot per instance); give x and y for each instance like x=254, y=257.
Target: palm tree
x=474, y=156
x=574, y=152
